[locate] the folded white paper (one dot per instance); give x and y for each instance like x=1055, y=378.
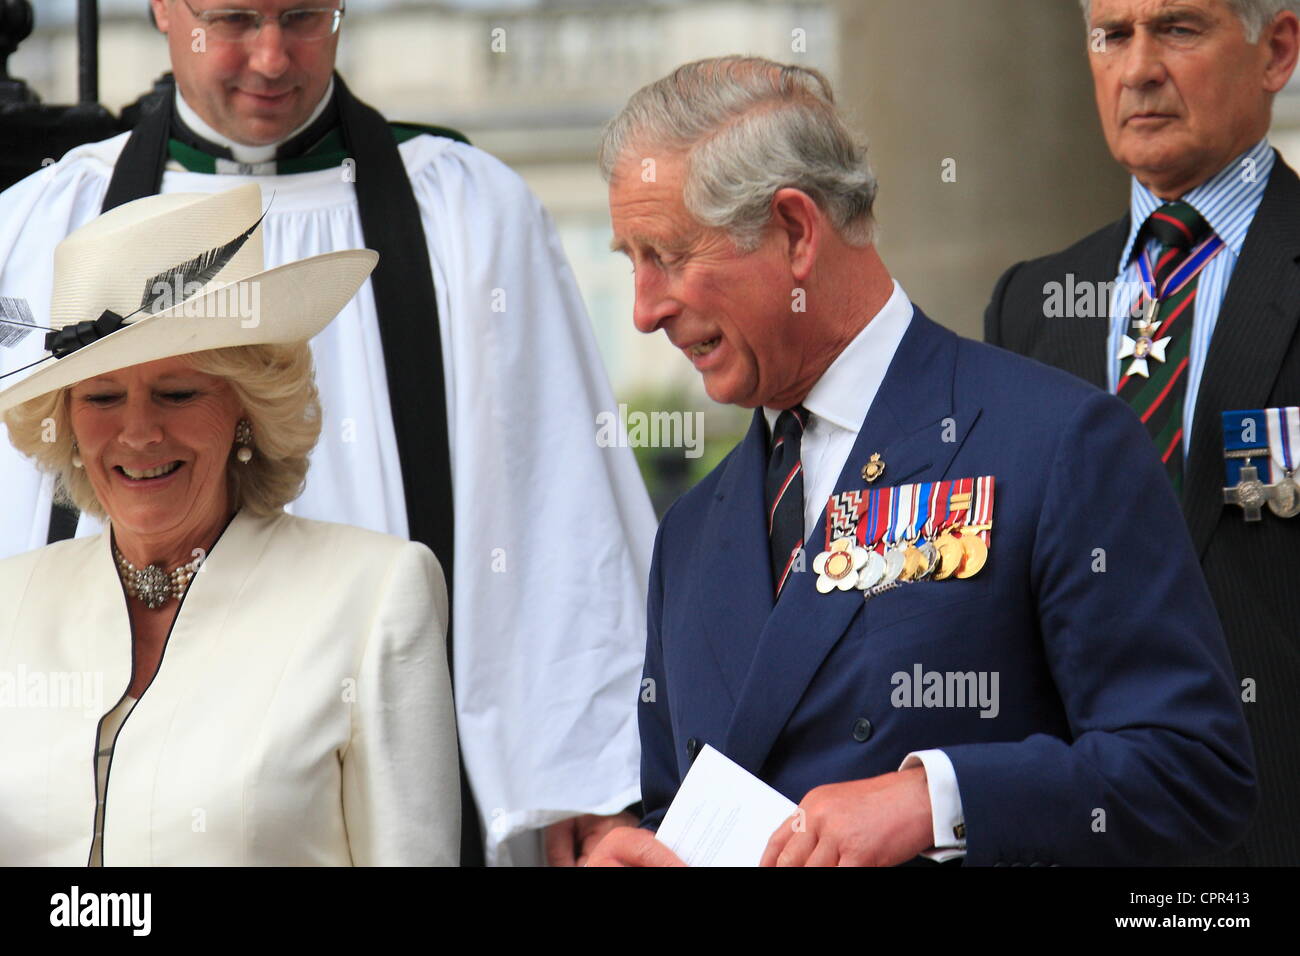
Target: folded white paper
x=722, y=815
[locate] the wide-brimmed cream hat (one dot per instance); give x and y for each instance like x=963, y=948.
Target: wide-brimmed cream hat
x=176, y=274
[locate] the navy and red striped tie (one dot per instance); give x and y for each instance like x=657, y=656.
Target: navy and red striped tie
x=784, y=489
x=1158, y=399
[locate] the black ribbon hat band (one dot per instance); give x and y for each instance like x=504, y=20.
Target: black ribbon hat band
x=67, y=340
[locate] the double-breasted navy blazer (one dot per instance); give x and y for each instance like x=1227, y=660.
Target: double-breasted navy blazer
x=1118, y=736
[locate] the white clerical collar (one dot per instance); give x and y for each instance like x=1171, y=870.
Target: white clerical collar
x=245, y=154
x=844, y=393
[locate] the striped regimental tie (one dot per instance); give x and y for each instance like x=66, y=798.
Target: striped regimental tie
x=784, y=490
x=1186, y=245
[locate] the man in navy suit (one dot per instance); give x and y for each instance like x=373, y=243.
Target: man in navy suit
x=1100, y=722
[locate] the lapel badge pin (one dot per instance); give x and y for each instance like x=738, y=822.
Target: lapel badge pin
x=873, y=469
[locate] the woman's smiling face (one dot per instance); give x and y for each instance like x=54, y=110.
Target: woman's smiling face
x=155, y=440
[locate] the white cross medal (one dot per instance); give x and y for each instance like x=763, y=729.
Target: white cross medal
x=1146, y=346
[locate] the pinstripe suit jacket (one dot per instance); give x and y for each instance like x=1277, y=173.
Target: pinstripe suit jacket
x=1253, y=569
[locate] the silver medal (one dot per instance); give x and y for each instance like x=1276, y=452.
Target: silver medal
x=931, y=555
x=1284, y=497
x=894, y=562
x=869, y=574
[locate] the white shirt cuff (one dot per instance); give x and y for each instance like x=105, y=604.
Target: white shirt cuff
x=945, y=804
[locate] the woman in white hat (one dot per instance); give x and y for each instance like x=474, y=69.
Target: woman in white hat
x=210, y=680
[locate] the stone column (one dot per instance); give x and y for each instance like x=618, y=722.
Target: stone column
x=985, y=137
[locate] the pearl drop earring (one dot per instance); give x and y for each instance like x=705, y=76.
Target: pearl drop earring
x=244, y=439
x=76, y=455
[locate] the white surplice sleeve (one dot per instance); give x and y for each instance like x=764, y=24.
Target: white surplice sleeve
x=36, y=213
x=401, y=782
x=553, y=531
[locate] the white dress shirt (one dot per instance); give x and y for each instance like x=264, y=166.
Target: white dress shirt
x=837, y=407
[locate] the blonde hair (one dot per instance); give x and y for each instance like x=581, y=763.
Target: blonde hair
x=276, y=384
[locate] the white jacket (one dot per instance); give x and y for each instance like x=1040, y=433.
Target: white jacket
x=301, y=715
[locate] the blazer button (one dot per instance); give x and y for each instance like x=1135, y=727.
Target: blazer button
x=692, y=748
x=862, y=730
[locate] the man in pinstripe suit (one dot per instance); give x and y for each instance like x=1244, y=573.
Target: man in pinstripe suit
x=1185, y=91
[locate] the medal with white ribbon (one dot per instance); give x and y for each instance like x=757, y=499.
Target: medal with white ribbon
x=900, y=512
x=1283, y=452
x=1146, y=347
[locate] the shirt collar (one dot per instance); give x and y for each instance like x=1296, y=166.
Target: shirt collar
x=844, y=393
x=1227, y=201
x=239, y=151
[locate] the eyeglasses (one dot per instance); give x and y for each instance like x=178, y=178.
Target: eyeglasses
x=237, y=26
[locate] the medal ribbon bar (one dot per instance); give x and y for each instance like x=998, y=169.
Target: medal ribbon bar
x=1198, y=260
x=1283, y=439
x=843, y=512
x=905, y=500
x=1245, y=443
x=939, y=495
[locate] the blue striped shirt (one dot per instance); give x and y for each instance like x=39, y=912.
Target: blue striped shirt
x=1228, y=202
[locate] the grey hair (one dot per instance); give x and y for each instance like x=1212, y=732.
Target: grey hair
x=1254, y=15
x=749, y=127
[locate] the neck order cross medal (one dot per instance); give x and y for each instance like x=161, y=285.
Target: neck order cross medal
x=1146, y=345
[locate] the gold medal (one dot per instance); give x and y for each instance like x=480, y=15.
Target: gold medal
x=976, y=554
x=913, y=564
x=838, y=564
x=950, y=556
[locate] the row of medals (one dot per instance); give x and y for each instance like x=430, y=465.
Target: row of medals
x=956, y=552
